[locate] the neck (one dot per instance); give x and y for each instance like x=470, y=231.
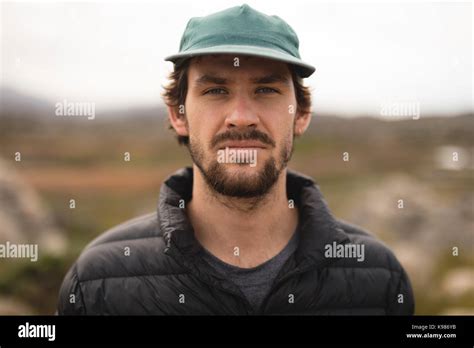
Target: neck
x=242, y=232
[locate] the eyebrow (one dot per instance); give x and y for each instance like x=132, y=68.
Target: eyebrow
x=272, y=78
x=209, y=79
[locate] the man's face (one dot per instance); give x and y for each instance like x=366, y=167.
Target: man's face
x=249, y=108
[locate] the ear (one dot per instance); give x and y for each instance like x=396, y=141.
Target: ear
x=178, y=120
x=302, y=122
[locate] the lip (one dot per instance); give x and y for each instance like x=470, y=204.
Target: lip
x=243, y=144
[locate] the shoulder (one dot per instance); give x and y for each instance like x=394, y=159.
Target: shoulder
x=122, y=250
x=378, y=268
x=142, y=227
x=376, y=253
x=130, y=250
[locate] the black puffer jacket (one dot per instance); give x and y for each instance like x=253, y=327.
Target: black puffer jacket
x=152, y=265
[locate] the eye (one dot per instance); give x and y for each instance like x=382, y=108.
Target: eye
x=216, y=91
x=266, y=90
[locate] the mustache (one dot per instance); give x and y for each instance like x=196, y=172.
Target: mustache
x=252, y=134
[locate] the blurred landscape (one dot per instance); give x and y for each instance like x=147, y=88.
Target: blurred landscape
x=64, y=158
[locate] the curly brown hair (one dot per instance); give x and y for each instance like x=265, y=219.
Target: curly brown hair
x=176, y=90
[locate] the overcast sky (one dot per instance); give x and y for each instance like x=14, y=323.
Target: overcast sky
x=365, y=54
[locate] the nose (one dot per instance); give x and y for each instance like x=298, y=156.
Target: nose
x=242, y=115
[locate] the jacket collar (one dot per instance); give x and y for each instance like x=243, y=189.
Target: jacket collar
x=317, y=226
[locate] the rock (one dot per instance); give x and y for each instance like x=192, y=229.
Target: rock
x=9, y=306
x=23, y=217
x=432, y=223
x=458, y=282
x=458, y=311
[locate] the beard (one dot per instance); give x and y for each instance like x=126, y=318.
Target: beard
x=239, y=184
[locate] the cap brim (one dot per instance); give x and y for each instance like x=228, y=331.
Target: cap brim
x=304, y=69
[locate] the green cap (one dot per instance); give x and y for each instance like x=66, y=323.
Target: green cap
x=242, y=30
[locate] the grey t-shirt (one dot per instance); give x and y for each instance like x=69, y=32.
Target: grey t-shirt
x=254, y=282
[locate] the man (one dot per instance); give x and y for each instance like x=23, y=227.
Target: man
x=238, y=233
